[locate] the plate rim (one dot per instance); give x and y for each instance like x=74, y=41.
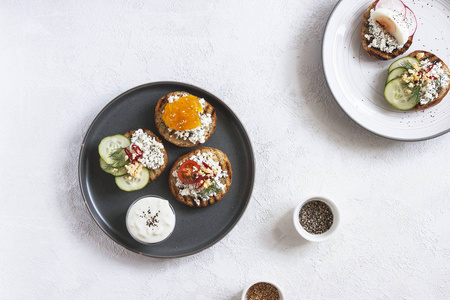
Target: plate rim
x=327, y=79
x=246, y=137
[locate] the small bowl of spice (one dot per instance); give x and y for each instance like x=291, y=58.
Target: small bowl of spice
x=316, y=219
x=263, y=290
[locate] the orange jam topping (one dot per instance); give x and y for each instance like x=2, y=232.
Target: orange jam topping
x=183, y=114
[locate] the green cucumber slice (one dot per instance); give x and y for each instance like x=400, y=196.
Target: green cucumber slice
x=402, y=61
x=126, y=184
x=395, y=94
x=109, y=150
x=112, y=170
x=396, y=73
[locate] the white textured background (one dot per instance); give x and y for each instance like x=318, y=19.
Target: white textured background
x=62, y=61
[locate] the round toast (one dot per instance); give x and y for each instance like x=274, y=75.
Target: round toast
x=154, y=173
x=224, y=164
x=434, y=59
x=374, y=52
x=172, y=138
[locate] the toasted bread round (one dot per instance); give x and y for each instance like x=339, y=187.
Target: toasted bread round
x=154, y=173
x=224, y=164
x=374, y=52
x=168, y=135
x=434, y=59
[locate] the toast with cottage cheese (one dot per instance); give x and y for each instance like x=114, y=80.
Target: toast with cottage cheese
x=221, y=172
x=154, y=173
x=186, y=138
x=374, y=52
x=424, y=55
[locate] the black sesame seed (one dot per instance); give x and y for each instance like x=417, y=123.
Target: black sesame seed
x=316, y=217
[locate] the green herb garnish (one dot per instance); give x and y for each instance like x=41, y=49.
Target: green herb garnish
x=213, y=188
x=109, y=168
x=439, y=84
x=118, y=157
x=407, y=65
x=415, y=94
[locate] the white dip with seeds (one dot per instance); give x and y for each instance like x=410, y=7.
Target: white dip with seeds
x=150, y=220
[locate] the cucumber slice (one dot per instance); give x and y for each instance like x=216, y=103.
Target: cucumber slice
x=112, y=170
x=395, y=94
x=402, y=61
x=134, y=184
x=396, y=73
x=109, y=150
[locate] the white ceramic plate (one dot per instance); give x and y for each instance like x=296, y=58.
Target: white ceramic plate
x=357, y=80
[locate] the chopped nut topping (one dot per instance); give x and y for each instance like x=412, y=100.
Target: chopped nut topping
x=134, y=169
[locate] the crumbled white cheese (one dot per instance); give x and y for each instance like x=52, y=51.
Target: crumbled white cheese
x=431, y=88
x=197, y=134
x=380, y=38
x=189, y=189
x=174, y=98
x=152, y=150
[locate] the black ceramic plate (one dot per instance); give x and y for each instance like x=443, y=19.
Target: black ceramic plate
x=196, y=228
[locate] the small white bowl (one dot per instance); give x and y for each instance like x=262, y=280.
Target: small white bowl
x=128, y=213
x=244, y=294
x=317, y=237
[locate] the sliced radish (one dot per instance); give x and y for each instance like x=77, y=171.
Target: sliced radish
x=393, y=5
x=411, y=21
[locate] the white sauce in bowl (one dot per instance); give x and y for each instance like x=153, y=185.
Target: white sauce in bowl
x=150, y=219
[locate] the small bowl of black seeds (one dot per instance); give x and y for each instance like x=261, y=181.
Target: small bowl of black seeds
x=263, y=290
x=316, y=219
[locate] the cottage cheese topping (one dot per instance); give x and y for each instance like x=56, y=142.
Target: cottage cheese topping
x=150, y=220
x=198, y=194
x=430, y=78
x=174, y=98
x=380, y=38
x=152, y=150
x=431, y=88
x=197, y=134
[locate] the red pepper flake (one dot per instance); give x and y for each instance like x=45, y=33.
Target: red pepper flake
x=128, y=153
x=199, y=182
x=420, y=74
x=430, y=68
x=206, y=165
x=136, y=150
